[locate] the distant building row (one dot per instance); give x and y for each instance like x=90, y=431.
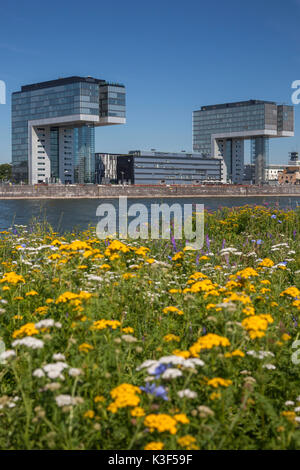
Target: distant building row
x=53, y=137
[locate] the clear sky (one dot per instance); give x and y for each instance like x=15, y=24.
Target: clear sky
x=173, y=57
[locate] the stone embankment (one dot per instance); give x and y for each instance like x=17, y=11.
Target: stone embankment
x=56, y=191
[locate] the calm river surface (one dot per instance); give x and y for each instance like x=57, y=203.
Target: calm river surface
x=67, y=214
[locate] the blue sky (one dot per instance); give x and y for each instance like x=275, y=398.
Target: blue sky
x=172, y=56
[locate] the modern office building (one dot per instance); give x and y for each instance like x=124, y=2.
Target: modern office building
x=114, y=168
x=151, y=168
x=53, y=128
x=175, y=168
x=220, y=130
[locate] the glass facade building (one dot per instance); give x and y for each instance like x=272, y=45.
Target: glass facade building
x=53, y=122
x=220, y=131
x=152, y=168
x=174, y=168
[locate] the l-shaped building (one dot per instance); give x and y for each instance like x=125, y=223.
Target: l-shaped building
x=53, y=128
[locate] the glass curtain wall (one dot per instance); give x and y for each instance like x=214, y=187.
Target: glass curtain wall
x=84, y=154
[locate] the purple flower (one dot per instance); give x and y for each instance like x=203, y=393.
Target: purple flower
x=173, y=243
x=207, y=242
x=160, y=370
x=156, y=391
x=273, y=216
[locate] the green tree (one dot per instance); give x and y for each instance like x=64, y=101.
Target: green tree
x=5, y=171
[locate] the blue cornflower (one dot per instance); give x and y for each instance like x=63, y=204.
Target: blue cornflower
x=160, y=369
x=156, y=391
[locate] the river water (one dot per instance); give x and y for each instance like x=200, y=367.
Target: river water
x=68, y=214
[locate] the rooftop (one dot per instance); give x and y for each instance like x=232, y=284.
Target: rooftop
x=66, y=81
x=235, y=104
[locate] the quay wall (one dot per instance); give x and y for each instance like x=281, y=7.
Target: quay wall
x=56, y=191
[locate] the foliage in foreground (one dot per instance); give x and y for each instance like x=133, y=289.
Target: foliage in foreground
x=110, y=345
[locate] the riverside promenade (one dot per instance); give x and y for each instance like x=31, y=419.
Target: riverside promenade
x=56, y=191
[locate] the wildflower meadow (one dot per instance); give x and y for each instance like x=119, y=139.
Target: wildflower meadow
x=110, y=344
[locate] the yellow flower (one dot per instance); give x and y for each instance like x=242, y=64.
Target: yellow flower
x=12, y=278
x=89, y=414
x=218, y=381
x=182, y=418
x=161, y=422
x=290, y=291
x=235, y=353
x=99, y=399
x=184, y=354
x=155, y=445
x=173, y=310
x=85, y=347
x=246, y=273
x=104, y=266
x=128, y=329
x=26, y=330
x=178, y=256
x=208, y=342
x=41, y=310
x=186, y=441
x=171, y=337
x=257, y=324
x=215, y=396
x=128, y=276
x=249, y=310
x=137, y=412
x=266, y=263
x=102, y=324
x=124, y=395
x=54, y=256
x=289, y=415
x=31, y=293
x=114, y=256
